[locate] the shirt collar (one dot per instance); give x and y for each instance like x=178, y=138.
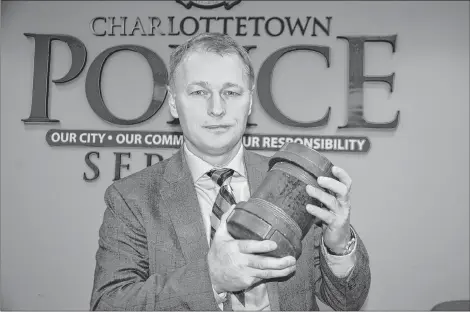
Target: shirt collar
x=199, y=167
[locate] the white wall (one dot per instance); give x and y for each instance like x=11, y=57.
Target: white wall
x=410, y=195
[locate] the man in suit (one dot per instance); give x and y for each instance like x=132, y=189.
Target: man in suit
x=164, y=245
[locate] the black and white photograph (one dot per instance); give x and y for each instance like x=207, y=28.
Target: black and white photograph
x=234, y=155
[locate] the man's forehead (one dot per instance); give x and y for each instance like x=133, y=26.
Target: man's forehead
x=206, y=66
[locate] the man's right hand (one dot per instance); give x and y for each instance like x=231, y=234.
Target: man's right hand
x=234, y=264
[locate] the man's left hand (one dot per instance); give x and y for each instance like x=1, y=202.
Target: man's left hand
x=336, y=233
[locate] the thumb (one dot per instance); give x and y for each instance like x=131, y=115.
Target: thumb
x=222, y=232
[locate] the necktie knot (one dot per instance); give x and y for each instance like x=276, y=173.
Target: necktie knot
x=220, y=175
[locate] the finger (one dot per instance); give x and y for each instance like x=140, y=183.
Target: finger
x=253, y=246
x=328, y=200
x=337, y=187
x=264, y=263
x=343, y=176
x=326, y=216
x=267, y=274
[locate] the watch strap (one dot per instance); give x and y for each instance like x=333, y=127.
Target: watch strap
x=348, y=248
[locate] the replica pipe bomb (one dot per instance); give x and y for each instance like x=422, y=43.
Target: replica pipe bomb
x=277, y=209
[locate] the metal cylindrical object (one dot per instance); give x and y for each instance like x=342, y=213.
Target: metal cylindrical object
x=277, y=209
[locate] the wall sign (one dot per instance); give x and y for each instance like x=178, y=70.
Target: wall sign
x=254, y=26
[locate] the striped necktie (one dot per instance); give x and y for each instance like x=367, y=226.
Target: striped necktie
x=222, y=204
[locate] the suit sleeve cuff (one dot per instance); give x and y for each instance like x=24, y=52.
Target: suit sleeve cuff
x=220, y=298
x=341, y=266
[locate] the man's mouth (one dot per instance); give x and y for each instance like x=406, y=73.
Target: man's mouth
x=217, y=126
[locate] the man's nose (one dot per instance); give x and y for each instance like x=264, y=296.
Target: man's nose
x=216, y=106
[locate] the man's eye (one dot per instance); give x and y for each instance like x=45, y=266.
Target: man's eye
x=231, y=93
x=198, y=92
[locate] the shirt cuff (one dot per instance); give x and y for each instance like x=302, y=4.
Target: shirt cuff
x=220, y=298
x=341, y=266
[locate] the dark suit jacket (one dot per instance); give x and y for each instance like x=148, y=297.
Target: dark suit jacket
x=152, y=250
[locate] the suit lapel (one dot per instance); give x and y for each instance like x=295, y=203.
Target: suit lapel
x=180, y=197
x=257, y=167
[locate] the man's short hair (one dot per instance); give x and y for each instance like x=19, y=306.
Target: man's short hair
x=210, y=42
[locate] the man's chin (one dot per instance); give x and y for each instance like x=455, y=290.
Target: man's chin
x=219, y=148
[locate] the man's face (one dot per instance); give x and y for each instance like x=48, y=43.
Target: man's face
x=212, y=99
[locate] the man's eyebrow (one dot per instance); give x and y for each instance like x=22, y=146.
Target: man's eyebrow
x=230, y=84
x=206, y=85
x=203, y=84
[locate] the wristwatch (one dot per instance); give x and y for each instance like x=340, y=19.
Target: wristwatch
x=349, y=246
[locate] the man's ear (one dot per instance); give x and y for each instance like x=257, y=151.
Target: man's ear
x=251, y=100
x=251, y=104
x=172, y=103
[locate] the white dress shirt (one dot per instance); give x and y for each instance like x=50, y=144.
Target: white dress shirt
x=206, y=190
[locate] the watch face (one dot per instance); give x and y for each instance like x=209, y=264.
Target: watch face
x=350, y=245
